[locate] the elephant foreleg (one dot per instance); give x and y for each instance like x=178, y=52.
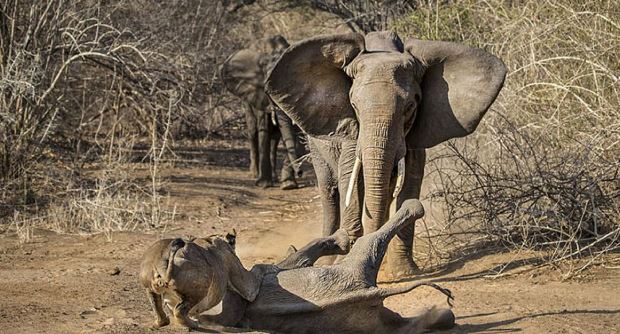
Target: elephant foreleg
x=400, y=254
x=327, y=179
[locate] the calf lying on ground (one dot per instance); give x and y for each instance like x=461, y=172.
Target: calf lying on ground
x=294, y=297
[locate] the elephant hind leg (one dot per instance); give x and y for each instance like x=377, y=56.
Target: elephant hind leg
x=287, y=176
x=264, y=146
x=335, y=244
x=369, y=250
x=273, y=150
x=433, y=319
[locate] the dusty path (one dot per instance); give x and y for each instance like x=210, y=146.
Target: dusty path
x=70, y=284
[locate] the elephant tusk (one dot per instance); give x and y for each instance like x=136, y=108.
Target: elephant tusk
x=400, y=178
x=354, y=175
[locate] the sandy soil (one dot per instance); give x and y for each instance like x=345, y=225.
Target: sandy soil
x=88, y=284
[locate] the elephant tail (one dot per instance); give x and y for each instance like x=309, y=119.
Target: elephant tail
x=386, y=292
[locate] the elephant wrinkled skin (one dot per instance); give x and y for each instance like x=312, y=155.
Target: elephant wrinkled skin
x=370, y=106
x=341, y=298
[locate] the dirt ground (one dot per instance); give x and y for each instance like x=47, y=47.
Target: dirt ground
x=88, y=284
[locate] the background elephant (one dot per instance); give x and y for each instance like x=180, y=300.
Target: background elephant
x=243, y=75
x=371, y=105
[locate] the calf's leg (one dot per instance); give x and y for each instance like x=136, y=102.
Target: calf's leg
x=368, y=252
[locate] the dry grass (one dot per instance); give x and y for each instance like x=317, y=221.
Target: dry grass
x=78, y=91
x=542, y=172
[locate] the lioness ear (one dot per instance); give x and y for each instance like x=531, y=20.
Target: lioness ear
x=231, y=238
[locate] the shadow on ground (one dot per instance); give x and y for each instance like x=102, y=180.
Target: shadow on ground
x=492, y=327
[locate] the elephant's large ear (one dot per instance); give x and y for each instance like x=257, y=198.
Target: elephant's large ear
x=458, y=87
x=310, y=85
x=243, y=76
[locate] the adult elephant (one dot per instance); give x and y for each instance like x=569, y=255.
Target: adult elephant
x=373, y=104
x=243, y=75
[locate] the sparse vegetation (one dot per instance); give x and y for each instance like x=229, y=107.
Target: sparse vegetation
x=84, y=83
x=543, y=171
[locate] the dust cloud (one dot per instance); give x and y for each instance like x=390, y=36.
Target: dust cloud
x=270, y=246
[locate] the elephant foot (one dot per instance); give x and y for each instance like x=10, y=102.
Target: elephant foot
x=439, y=319
x=264, y=183
x=288, y=185
x=342, y=240
x=399, y=267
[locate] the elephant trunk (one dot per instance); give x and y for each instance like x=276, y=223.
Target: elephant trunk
x=378, y=157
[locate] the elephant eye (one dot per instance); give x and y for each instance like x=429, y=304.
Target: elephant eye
x=354, y=106
x=410, y=115
x=411, y=107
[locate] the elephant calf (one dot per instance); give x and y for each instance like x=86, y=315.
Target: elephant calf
x=341, y=298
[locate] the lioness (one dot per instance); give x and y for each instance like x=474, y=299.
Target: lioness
x=191, y=276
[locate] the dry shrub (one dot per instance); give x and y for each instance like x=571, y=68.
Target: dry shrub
x=77, y=91
x=111, y=206
x=107, y=199
x=542, y=171
x=66, y=73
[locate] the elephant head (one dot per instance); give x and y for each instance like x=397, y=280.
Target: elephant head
x=387, y=95
x=243, y=72
x=243, y=77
